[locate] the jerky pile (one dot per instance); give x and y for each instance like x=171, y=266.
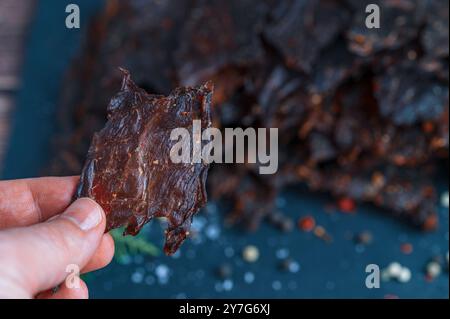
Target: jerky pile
x=362, y=113
x=129, y=171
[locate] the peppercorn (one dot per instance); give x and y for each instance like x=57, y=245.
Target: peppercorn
x=250, y=253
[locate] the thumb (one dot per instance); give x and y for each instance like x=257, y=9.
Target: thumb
x=39, y=257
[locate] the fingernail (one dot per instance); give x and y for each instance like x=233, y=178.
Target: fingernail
x=85, y=213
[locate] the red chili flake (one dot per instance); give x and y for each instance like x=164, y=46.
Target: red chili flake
x=406, y=248
x=430, y=223
x=428, y=127
x=307, y=223
x=428, y=278
x=391, y=296
x=346, y=205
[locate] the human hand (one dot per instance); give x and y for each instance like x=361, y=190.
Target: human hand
x=41, y=235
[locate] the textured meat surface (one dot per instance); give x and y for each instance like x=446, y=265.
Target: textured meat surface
x=350, y=102
x=129, y=171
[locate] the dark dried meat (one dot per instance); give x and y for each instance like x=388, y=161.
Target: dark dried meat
x=339, y=93
x=129, y=171
x=407, y=95
x=302, y=28
x=435, y=35
x=218, y=34
x=399, y=24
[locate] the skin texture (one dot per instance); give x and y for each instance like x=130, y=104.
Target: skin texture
x=42, y=232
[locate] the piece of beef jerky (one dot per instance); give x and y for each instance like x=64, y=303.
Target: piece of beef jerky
x=356, y=122
x=137, y=28
x=440, y=137
x=436, y=66
x=400, y=21
x=335, y=65
x=435, y=35
x=251, y=197
x=408, y=95
x=301, y=29
x=321, y=148
x=129, y=171
x=271, y=94
x=219, y=34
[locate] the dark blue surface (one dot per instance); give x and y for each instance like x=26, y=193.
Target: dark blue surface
x=50, y=48
x=333, y=270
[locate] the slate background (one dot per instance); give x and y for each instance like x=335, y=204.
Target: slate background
x=326, y=270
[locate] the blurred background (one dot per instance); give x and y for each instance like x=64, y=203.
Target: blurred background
x=363, y=118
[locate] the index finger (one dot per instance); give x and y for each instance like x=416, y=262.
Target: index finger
x=29, y=201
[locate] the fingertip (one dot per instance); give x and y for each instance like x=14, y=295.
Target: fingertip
x=110, y=246
x=103, y=255
x=71, y=239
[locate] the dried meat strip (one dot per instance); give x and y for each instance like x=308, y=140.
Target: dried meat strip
x=400, y=21
x=407, y=95
x=435, y=36
x=302, y=28
x=220, y=34
x=129, y=171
